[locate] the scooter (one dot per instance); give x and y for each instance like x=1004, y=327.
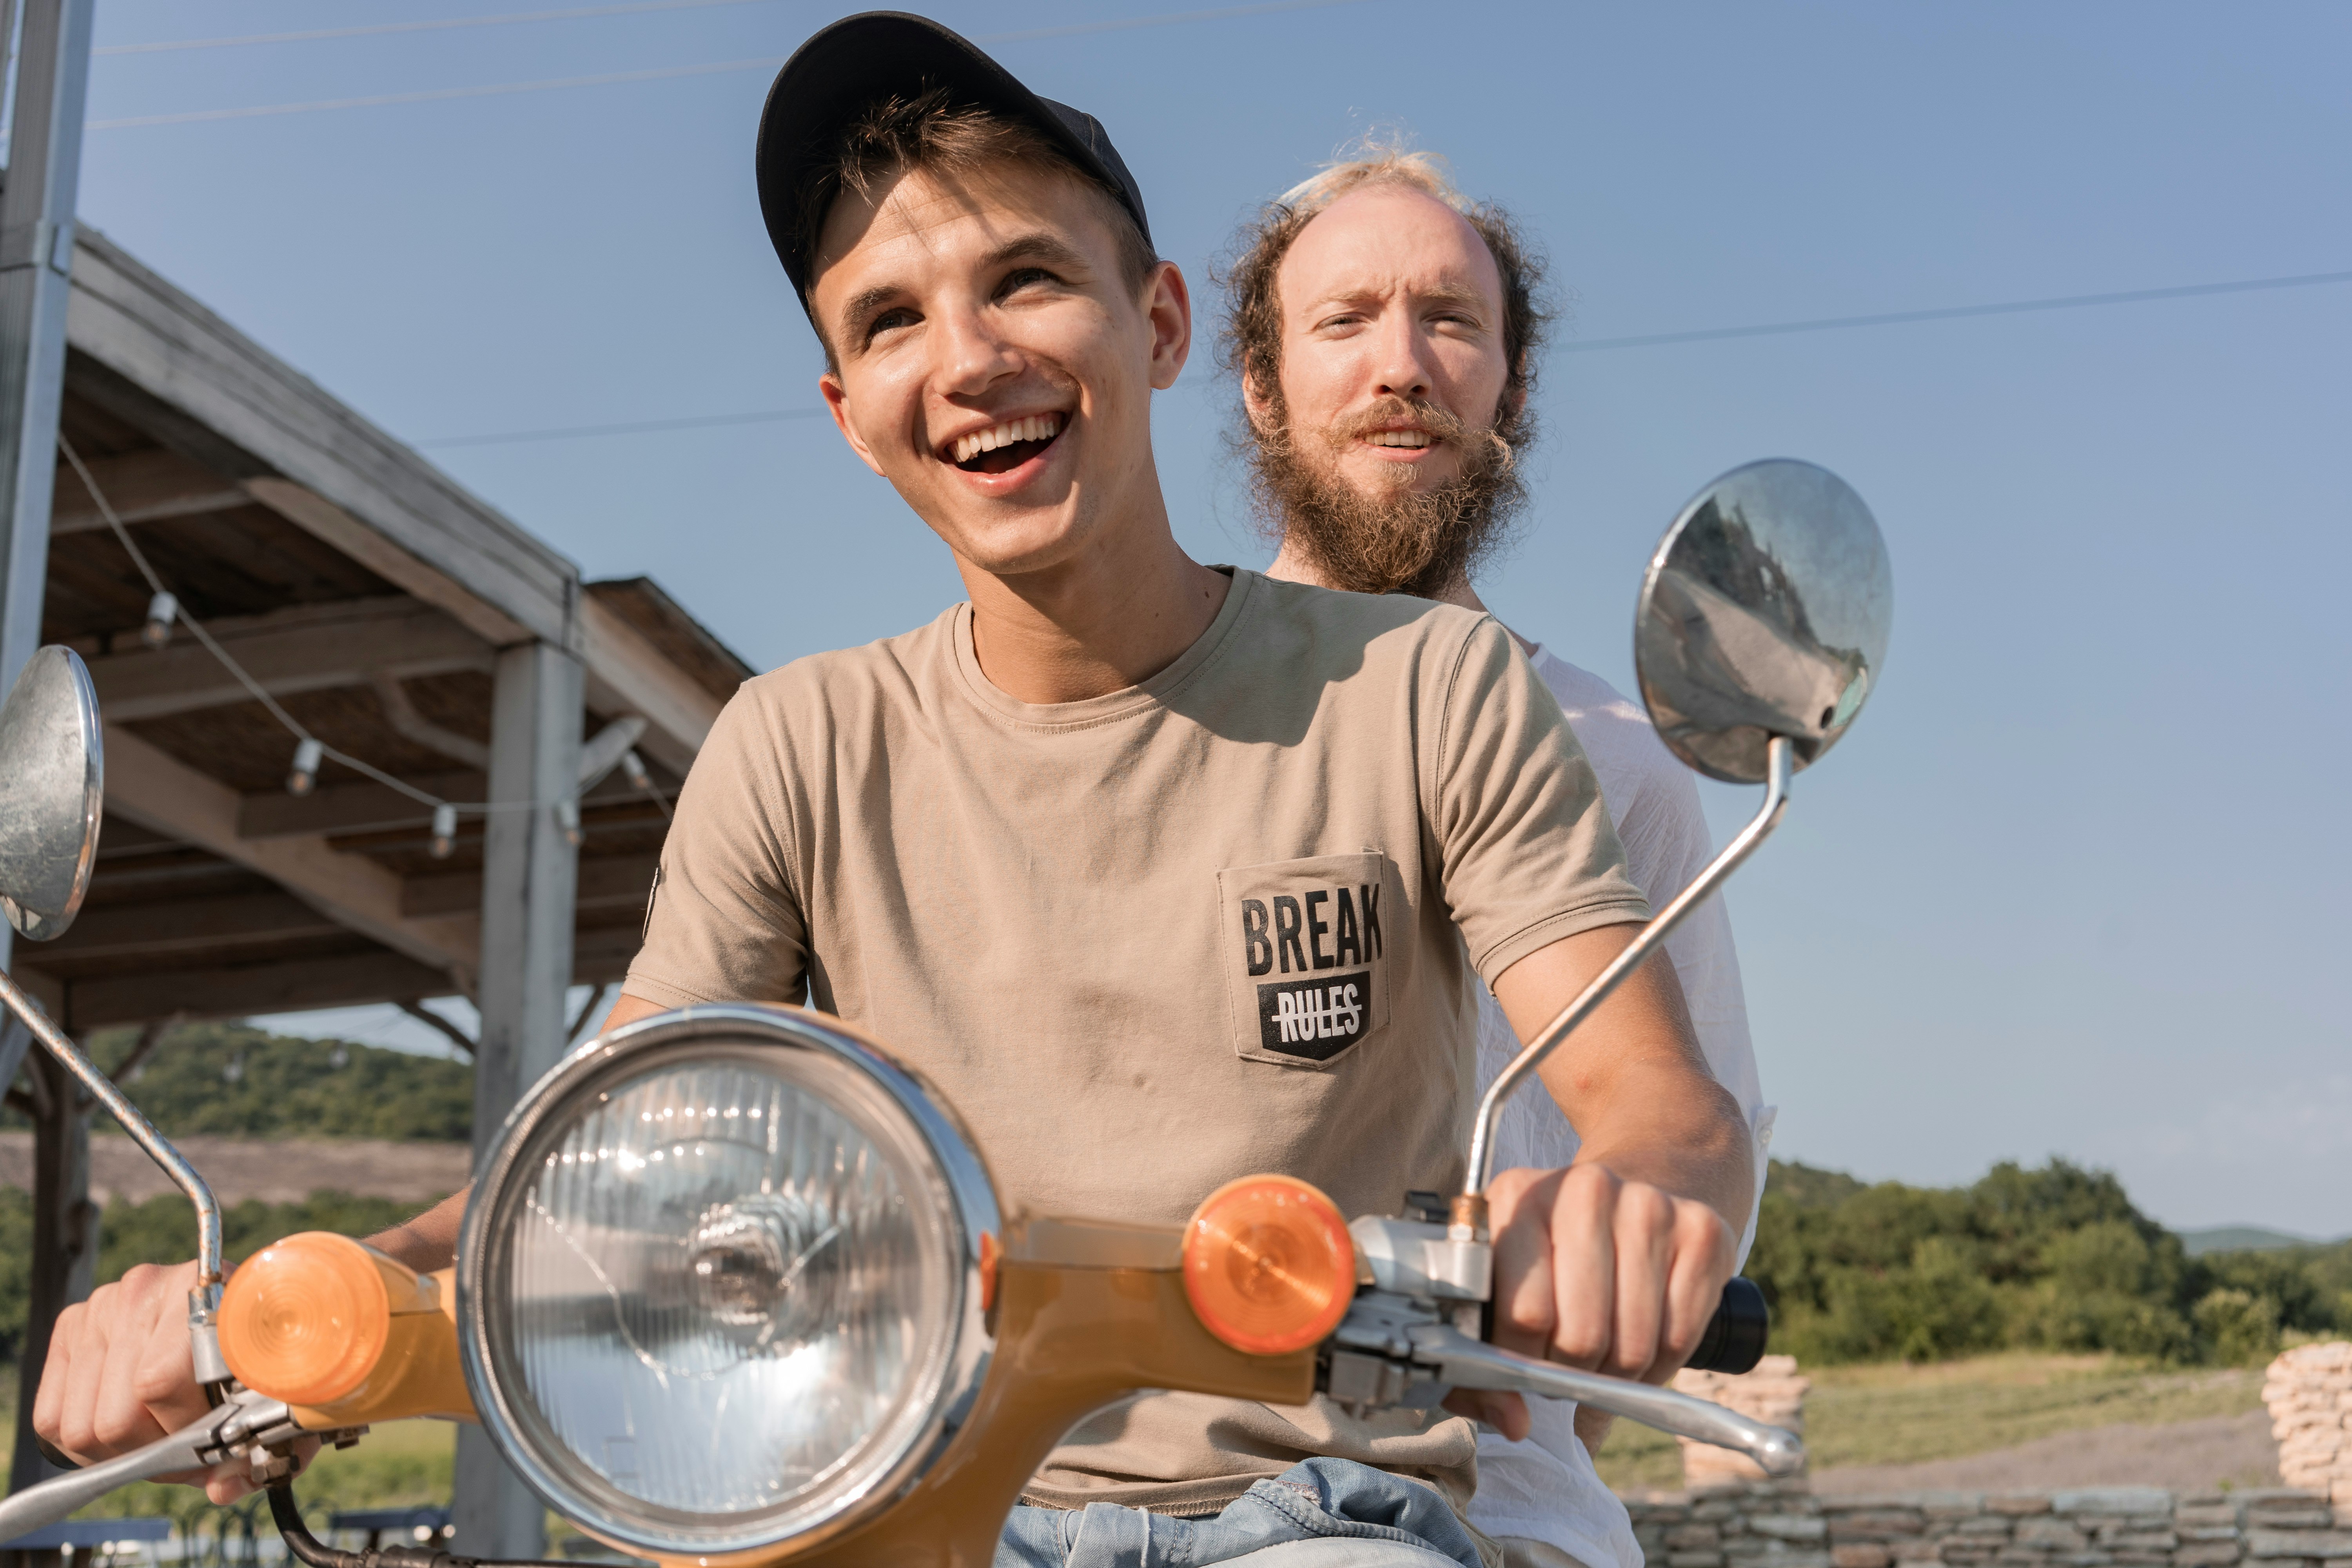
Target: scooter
x=735, y=1288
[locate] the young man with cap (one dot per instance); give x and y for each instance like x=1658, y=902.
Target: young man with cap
x=1385, y=331
x=1077, y=849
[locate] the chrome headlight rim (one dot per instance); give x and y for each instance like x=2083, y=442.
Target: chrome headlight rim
x=957, y=1181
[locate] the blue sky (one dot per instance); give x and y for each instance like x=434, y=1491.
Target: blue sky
x=2071, y=888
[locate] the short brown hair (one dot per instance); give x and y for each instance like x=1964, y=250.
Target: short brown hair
x=1250, y=344
x=931, y=130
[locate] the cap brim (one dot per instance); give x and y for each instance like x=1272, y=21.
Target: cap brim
x=876, y=54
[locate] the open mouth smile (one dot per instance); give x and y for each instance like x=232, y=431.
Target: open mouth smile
x=1408, y=438
x=1002, y=447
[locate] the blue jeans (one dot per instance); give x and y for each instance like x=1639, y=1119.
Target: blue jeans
x=1323, y=1513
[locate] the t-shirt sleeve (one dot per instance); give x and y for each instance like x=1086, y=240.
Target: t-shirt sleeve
x=725, y=922
x=1524, y=844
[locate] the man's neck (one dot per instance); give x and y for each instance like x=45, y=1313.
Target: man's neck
x=1114, y=615
x=1292, y=564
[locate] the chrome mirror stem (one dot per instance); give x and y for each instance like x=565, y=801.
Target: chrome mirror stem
x=203, y=1301
x=1779, y=765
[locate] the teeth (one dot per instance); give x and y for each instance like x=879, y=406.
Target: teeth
x=1398, y=439
x=1035, y=427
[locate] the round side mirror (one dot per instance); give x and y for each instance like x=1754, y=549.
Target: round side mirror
x=53, y=761
x=1765, y=612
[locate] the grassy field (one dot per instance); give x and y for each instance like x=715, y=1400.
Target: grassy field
x=1900, y=1415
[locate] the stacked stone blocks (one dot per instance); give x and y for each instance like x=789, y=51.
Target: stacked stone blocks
x=2309, y=1391
x=1781, y=1526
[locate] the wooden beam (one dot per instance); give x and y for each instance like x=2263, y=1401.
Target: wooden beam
x=166, y=795
x=616, y=883
x=386, y=558
x=304, y=648
x=221, y=991
x=625, y=674
x=368, y=494
x=141, y=486
x=165, y=926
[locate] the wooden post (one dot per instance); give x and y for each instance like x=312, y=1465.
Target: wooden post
x=36, y=241
x=65, y=1240
x=530, y=875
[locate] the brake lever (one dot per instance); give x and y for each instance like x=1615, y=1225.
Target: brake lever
x=244, y=1426
x=1457, y=1360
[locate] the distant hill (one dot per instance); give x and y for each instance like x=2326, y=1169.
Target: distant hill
x=2239, y=1238
x=1810, y=1187
x=236, y=1081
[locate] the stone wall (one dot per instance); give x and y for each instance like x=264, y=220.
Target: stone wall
x=1768, y=1526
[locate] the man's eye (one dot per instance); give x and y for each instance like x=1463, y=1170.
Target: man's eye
x=889, y=321
x=1020, y=278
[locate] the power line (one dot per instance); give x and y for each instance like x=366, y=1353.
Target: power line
x=713, y=67
x=1655, y=339
x=1954, y=313
x=434, y=95
x=379, y=29
x=634, y=427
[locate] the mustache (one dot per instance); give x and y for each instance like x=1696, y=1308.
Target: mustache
x=1438, y=421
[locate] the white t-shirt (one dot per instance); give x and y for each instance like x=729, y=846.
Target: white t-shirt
x=1544, y=1488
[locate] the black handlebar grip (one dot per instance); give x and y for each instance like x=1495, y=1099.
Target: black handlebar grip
x=1734, y=1341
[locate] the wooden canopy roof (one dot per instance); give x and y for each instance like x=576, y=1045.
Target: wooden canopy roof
x=369, y=595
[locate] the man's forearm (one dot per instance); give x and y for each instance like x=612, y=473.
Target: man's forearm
x=429, y=1241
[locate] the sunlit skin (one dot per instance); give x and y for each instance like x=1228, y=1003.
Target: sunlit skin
x=1386, y=293
x=951, y=307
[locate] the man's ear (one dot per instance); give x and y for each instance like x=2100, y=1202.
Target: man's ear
x=1255, y=403
x=1168, y=305
x=836, y=402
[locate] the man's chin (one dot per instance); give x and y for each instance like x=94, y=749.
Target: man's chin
x=1046, y=538
x=1379, y=479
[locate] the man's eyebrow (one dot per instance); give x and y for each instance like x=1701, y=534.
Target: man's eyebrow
x=1038, y=245
x=864, y=303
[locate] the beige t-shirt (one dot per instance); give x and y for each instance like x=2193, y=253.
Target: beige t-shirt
x=1221, y=923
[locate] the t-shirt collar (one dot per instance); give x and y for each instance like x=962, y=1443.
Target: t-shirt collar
x=1115, y=705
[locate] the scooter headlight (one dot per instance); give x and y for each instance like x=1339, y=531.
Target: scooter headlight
x=721, y=1282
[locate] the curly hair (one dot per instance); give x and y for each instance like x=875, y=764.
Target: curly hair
x=1250, y=346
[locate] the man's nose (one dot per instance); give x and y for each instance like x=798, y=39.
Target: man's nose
x=972, y=356
x=1399, y=367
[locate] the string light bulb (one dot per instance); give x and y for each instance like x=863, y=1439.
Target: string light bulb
x=444, y=830
x=304, y=777
x=633, y=766
x=161, y=611
x=567, y=819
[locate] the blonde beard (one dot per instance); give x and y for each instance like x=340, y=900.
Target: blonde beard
x=1397, y=543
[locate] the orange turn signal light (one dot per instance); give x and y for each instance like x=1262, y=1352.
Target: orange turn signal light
x=305, y=1321
x=1269, y=1267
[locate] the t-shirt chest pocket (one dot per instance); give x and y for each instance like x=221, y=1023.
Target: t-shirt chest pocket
x=1305, y=948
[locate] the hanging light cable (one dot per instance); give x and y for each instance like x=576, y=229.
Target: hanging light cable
x=311, y=746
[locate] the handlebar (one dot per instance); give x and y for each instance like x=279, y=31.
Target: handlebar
x=1734, y=1341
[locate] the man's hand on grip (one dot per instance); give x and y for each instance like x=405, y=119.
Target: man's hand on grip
x=120, y=1375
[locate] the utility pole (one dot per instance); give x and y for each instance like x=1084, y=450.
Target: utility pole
x=37, y=242
x=37, y=245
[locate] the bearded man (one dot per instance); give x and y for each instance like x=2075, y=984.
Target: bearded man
x=1385, y=331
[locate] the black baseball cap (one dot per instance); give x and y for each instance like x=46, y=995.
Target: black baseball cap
x=883, y=53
